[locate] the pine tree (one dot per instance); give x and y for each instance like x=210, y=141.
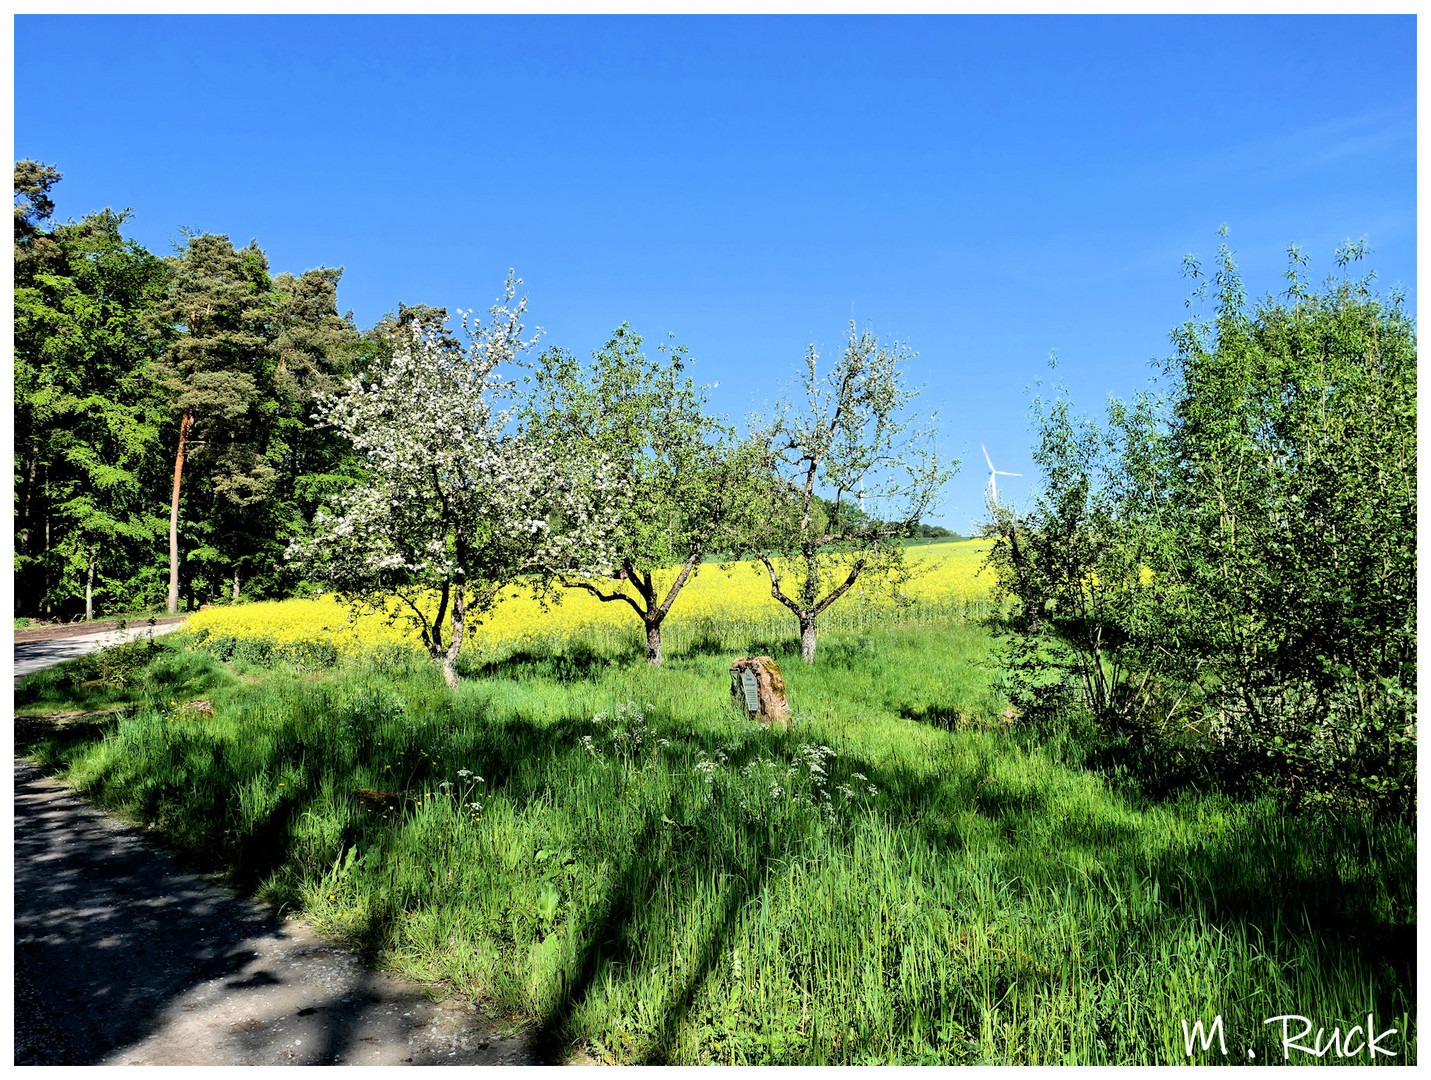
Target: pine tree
x=218, y=373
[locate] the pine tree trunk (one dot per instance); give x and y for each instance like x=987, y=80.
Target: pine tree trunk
x=653, y=643
x=184, y=426
x=89, y=589
x=807, y=638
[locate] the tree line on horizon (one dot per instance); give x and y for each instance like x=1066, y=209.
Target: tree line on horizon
x=164, y=435
x=171, y=435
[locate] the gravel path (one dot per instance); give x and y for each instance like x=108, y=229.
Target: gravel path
x=32, y=656
x=54, y=631
x=124, y=957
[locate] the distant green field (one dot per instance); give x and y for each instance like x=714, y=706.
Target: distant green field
x=610, y=851
x=923, y=541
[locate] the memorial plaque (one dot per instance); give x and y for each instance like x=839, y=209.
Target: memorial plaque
x=758, y=688
x=751, y=685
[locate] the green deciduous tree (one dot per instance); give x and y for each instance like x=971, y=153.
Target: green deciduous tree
x=678, y=478
x=87, y=417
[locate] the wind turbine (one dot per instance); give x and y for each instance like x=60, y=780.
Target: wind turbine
x=992, y=491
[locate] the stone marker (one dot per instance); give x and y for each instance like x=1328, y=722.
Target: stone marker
x=757, y=686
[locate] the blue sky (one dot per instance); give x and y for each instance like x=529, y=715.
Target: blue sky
x=988, y=189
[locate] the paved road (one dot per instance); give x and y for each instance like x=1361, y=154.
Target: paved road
x=125, y=957
x=32, y=656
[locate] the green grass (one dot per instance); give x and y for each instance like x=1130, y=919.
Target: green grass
x=666, y=881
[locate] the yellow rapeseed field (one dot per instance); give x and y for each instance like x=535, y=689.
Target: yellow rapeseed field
x=946, y=582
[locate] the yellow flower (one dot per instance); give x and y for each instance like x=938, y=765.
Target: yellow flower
x=946, y=576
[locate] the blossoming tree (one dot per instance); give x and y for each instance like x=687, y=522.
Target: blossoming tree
x=459, y=501
x=856, y=441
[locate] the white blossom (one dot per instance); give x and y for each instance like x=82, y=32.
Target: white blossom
x=457, y=499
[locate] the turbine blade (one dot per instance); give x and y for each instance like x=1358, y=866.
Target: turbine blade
x=986, y=457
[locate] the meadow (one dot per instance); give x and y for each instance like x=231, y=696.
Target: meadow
x=612, y=853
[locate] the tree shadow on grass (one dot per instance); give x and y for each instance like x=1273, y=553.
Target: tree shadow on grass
x=576, y=663
x=1259, y=882
x=606, y=932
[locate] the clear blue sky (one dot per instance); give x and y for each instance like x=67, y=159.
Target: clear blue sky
x=988, y=189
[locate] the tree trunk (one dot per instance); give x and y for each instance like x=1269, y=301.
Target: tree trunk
x=449, y=658
x=807, y=638
x=24, y=542
x=89, y=589
x=45, y=579
x=653, y=643
x=184, y=425
x=236, y=584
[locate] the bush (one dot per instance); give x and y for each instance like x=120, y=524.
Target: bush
x=1232, y=564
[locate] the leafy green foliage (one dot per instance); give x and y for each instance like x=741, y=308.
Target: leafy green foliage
x=678, y=478
x=87, y=417
x=1232, y=565
x=115, y=351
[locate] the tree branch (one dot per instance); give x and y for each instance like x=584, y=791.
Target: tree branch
x=691, y=561
x=603, y=597
x=854, y=573
x=775, y=587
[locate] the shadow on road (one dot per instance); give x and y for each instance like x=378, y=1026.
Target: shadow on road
x=124, y=957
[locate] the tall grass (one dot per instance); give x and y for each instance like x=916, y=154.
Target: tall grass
x=901, y=877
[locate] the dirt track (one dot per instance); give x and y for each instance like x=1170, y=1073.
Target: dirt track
x=125, y=957
x=58, y=631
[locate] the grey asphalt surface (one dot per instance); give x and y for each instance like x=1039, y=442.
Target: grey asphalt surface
x=125, y=957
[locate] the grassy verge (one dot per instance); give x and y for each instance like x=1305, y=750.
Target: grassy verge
x=900, y=878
